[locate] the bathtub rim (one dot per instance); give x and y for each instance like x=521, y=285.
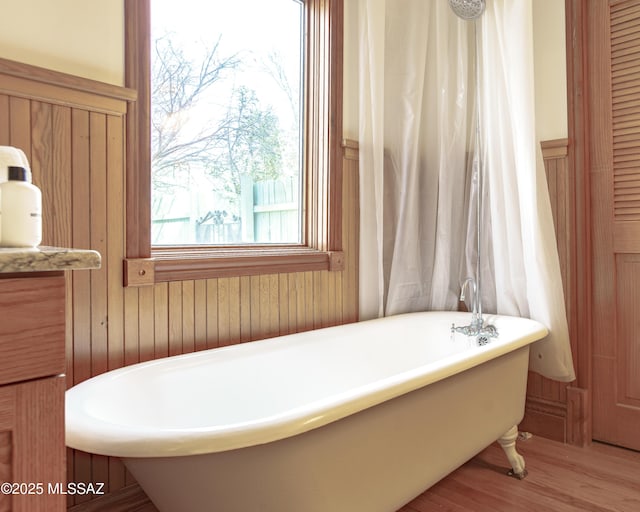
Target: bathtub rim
x=94, y=435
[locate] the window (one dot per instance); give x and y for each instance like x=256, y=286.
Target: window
x=224, y=245
x=226, y=134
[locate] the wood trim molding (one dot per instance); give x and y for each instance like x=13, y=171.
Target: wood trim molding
x=207, y=264
x=336, y=261
x=568, y=422
x=334, y=64
x=139, y=272
x=578, y=416
x=556, y=148
x=138, y=157
x=545, y=418
x=578, y=160
x=351, y=149
x=35, y=83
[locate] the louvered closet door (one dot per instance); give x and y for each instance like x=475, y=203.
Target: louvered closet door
x=614, y=69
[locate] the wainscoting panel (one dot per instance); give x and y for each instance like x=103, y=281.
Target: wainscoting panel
x=73, y=132
x=546, y=407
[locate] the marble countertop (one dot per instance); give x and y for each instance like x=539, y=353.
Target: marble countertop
x=43, y=259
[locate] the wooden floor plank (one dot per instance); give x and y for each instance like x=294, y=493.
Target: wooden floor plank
x=562, y=478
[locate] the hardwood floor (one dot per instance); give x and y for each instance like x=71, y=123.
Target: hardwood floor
x=561, y=478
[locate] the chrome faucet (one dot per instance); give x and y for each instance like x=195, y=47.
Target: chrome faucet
x=476, y=327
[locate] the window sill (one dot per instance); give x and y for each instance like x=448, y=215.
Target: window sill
x=204, y=263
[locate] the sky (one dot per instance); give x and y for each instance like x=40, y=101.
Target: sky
x=252, y=27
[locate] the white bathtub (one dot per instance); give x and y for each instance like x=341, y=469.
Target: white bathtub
x=361, y=417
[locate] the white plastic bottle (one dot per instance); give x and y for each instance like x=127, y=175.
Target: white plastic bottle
x=21, y=219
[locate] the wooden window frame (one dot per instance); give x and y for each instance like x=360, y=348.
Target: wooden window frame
x=322, y=134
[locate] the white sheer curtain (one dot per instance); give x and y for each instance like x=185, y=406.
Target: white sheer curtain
x=417, y=124
x=413, y=139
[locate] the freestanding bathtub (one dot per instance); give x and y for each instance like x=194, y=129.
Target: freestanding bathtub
x=356, y=418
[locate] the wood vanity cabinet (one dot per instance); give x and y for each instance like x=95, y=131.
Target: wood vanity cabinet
x=32, y=361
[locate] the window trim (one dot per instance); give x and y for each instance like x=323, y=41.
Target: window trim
x=322, y=149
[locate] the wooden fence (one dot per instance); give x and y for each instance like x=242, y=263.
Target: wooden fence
x=269, y=213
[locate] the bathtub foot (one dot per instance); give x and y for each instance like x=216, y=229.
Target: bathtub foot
x=508, y=443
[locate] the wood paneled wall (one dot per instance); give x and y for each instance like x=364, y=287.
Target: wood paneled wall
x=552, y=406
x=72, y=131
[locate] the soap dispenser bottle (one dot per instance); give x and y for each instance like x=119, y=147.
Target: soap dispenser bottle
x=21, y=219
